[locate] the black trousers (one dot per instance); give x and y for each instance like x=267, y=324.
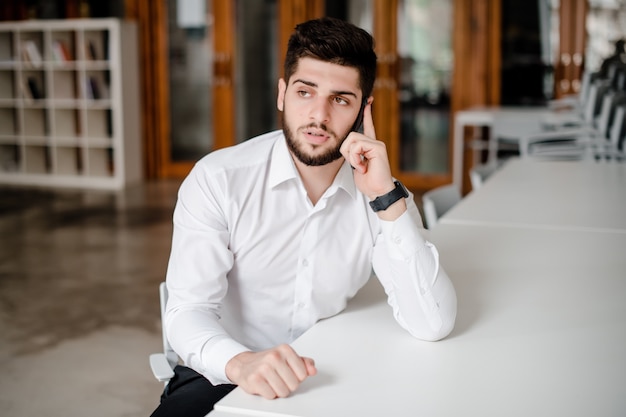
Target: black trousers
x=189, y=394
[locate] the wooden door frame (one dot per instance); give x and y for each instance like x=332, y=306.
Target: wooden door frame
x=152, y=18
x=477, y=63
x=569, y=65
x=476, y=76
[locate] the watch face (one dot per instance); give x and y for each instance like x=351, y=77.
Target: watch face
x=404, y=190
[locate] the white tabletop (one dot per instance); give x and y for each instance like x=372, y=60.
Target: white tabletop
x=550, y=194
x=541, y=331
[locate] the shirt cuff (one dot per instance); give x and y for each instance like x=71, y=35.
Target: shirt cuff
x=402, y=237
x=215, y=356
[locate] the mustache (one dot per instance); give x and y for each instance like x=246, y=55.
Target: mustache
x=314, y=125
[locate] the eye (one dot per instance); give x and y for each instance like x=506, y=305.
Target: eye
x=304, y=93
x=342, y=101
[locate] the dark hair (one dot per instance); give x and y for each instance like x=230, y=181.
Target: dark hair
x=335, y=41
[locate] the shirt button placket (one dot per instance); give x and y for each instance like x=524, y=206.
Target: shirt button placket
x=304, y=277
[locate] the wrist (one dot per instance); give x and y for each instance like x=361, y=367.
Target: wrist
x=234, y=365
x=393, y=212
x=384, y=201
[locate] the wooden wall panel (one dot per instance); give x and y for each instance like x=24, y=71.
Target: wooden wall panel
x=151, y=19
x=386, y=107
x=225, y=42
x=290, y=13
x=476, y=79
x=572, y=35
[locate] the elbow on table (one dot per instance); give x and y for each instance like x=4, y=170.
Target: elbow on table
x=437, y=327
x=434, y=335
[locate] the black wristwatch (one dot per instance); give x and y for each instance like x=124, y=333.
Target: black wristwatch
x=384, y=201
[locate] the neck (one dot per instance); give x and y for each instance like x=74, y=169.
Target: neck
x=317, y=179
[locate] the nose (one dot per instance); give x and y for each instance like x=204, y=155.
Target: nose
x=320, y=110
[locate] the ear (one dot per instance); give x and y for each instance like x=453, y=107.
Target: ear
x=280, y=100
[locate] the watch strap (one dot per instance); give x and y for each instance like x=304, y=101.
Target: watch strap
x=383, y=202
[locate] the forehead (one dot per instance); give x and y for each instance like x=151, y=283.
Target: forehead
x=327, y=76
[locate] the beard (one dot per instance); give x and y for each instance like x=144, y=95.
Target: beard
x=308, y=158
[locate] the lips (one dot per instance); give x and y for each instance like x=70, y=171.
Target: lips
x=316, y=136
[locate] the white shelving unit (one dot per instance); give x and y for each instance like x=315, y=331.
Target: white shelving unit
x=69, y=103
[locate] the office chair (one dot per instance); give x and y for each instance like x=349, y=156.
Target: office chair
x=479, y=173
x=602, y=140
x=162, y=364
x=576, y=101
x=614, y=149
x=438, y=201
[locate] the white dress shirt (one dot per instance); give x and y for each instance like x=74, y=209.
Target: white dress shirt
x=255, y=264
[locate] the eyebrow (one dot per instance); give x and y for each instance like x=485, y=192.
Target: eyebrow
x=335, y=92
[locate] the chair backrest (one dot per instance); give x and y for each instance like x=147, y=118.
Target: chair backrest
x=604, y=119
x=587, y=78
x=618, y=129
x=593, y=104
x=172, y=357
x=479, y=173
x=438, y=201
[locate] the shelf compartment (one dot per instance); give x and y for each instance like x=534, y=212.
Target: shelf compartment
x=66, y=123
x=8, y=121
x=97, y=85
x=95, y=45
x=99, y=123
x=100, y=162
x=36, y=160
x=31, y=53
x=63, y=85
x=62, y=46
x=68, y=160
x=34, y=123
x=9, y=158
x=7, y=84
x=33, y=85
x=6, y=47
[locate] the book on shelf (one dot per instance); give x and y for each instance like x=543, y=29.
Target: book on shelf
x=60, y=52
x=96, y=88
x=32, y=90
x=92, y=89
x=31, y=54
x=90, y=51
x=26, y=91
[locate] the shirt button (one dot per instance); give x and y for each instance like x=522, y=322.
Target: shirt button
x=305, y=263
x=397, y=240
x=301, y=306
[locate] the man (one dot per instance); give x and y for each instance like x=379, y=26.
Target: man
x=278, y=232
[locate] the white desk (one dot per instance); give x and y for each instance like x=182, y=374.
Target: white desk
x=541, y=331
x=548, y=194
x=509, y=123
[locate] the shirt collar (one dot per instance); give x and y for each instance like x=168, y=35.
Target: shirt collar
x=282, y=169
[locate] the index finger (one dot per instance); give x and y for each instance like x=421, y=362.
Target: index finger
x=368, y=121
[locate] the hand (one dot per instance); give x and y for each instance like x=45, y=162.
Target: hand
x=271, y=373
x=368, y=157
x=372, y=173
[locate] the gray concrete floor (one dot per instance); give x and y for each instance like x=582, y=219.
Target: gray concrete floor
x=79, y=309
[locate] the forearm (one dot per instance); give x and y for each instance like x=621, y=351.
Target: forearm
x=197, y=337
x=419, y=290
